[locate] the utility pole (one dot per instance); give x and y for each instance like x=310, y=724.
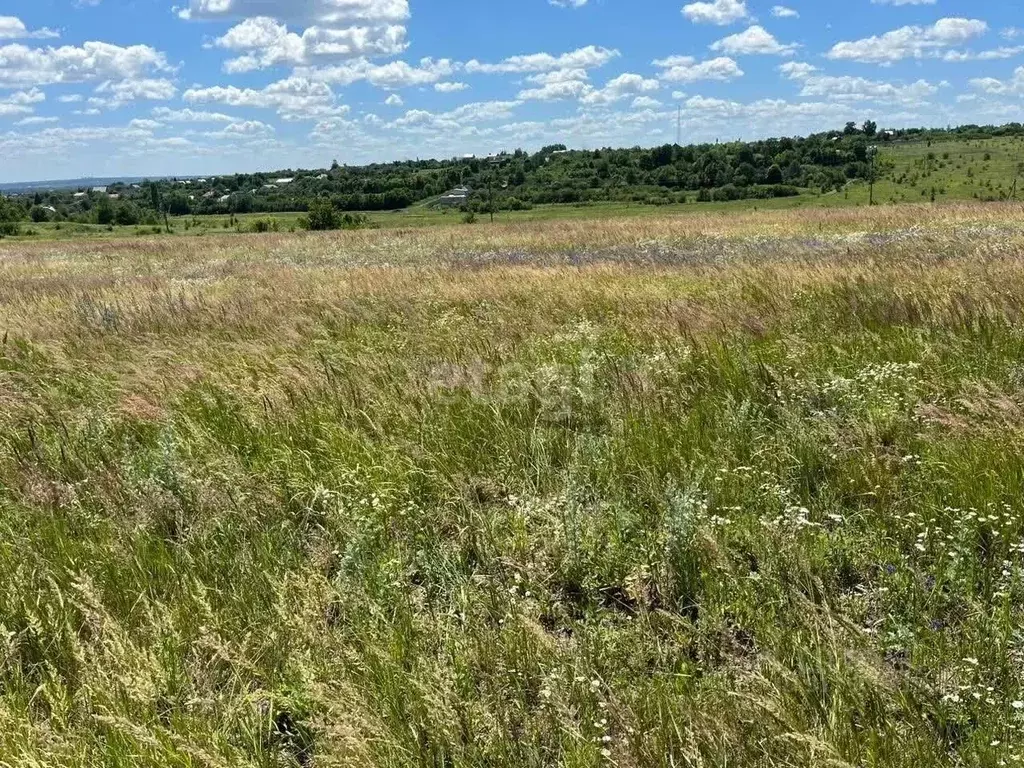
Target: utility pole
x=490, y=194
x=873, y=153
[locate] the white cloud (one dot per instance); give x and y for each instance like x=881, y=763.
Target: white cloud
x=21, y=66
x=910, y=42
x=266, y=43
x=784, y=12
x=394, y=100
x=450, y=87
x=720, y=12
x=114, y=94
x=904, y=2
x=21, y=102
x=589, y=57
x=797, y=70
x=334, y=13
x=993, y=54
x=848, y=88
x=422, y=121
x=621, y=87
x=996, y=87
x=753, y=40
x=394, y=74
x=13, y=28
x=555, y=90
x=245, y=129
x=169, y=115
x=686, y=69
x=295, y=98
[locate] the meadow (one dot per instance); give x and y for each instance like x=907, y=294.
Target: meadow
x=698, y=490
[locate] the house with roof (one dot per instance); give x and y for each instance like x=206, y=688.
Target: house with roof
x=455, y=198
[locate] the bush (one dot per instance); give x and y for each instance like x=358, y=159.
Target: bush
x=322, y=216
x=356, y=221
x=265, y=225
x=469, y=218
x=38, y=214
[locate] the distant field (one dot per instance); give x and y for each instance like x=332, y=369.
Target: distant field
x=726, y=488
x=908, y=173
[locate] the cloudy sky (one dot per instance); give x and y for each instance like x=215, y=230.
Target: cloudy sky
x=147, y=87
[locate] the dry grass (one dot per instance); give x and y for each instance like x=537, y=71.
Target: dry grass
x=682, y=491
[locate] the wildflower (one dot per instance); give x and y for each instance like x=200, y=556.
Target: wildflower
x=1017, y=705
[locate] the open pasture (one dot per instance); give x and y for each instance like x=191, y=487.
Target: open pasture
x=647, y=491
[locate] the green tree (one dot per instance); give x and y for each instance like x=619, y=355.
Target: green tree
x=104, y=212
x=127, y=214
x=322, y=215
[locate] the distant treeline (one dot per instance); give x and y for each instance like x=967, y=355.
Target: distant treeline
x=669, y=173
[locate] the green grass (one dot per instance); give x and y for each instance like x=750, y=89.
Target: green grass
x=696, y=497
x=956, y=170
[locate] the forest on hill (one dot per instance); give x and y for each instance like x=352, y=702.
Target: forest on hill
x=777, y=167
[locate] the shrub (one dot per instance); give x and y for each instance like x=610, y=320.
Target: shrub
x=265, y=225
x=322, y=216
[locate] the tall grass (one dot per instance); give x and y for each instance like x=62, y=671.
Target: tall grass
x=654, y=494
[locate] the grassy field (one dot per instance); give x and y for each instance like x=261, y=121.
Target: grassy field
x=700, y=490
x=957, y=171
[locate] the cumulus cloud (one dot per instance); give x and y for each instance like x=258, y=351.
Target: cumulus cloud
x=113, y=94
x=993, y=86
x=264, y=42
x=21, y=66
x=294, y=98
x=21, y=102
x=910, y=42
x=686, y=69
x=621, y=87
x=848, y=88
x=589, y=57
x=392, y=75
x=755, y=39
x=13, y=28
x=719, y=12
x=334, y=13
x=169, y=115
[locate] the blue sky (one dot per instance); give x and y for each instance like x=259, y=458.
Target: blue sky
x=150, y=87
